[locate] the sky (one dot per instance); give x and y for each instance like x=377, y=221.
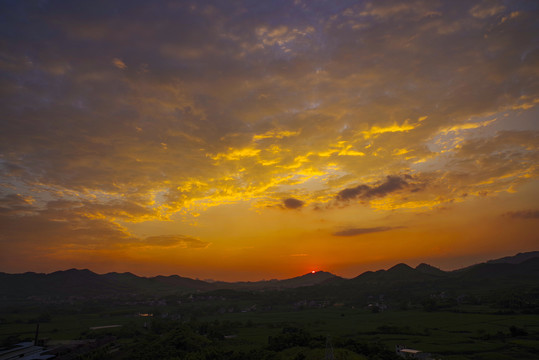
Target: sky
x=248, y=140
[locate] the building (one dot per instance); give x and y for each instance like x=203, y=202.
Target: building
x=25, y=351
x=406, y=353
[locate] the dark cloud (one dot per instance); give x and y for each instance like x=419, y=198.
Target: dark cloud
x=49, y=228
x=523, y=214
x=15, y=204
x=76, y=226
x=124, y=209
x=292, y=203
x=392, y=183
x=14, y=200
x=78, y=223
x=362, y=231
x=12, y=169
x=352, y=193
x=509, y=157
x=365, y=192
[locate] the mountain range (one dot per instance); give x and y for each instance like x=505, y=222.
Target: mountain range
x=508, y=272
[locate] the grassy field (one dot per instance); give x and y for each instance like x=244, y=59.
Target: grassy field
x=63, y=326
x=452, y=335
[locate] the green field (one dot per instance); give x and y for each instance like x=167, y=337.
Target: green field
x=453, y=335
x=476, y=334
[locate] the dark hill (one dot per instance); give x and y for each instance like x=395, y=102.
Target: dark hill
x=520, y=271
x=489, y=278
x=528, y=269
x=85, y=283
x=309, y=279
x=400, y=279
x=428, y=269
x=401, y=270
x=396, y=274
x=515, y=259
x=70, y=282
x=182, y=282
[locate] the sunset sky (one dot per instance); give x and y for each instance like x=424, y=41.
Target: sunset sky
x=242, y=140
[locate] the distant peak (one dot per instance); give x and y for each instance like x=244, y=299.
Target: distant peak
x=319, y=273
x=400, y=267
x=73, y=270
x=425, y=266
x=429, y=269
x=515, y=259
x=114, y=273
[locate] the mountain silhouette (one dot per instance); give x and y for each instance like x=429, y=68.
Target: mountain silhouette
x=429, y=269
x=513, y=271
x=515, y=259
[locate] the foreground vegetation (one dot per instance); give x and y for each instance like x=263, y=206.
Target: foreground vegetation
x=218, y=327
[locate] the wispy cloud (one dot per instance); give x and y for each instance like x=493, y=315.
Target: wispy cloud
x=523, y=214
x=119, y=64
x=363, y=231
x=391, y=184
x=175, y=241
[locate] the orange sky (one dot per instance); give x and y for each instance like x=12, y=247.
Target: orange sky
x=249, y=140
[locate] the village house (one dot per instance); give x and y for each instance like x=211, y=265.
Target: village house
x=407, y=353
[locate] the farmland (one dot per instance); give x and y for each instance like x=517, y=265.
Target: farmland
x=465, y=332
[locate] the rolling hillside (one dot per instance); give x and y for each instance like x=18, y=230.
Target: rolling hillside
x=521, y=270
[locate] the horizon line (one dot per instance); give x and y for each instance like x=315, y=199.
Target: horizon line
x=209, y=280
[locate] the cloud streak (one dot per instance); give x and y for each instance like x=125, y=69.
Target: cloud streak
x=523, y=214
x=362, y=231
x=181, y=241
x=391, y=184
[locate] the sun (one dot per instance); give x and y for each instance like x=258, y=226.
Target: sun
x=313, y=272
